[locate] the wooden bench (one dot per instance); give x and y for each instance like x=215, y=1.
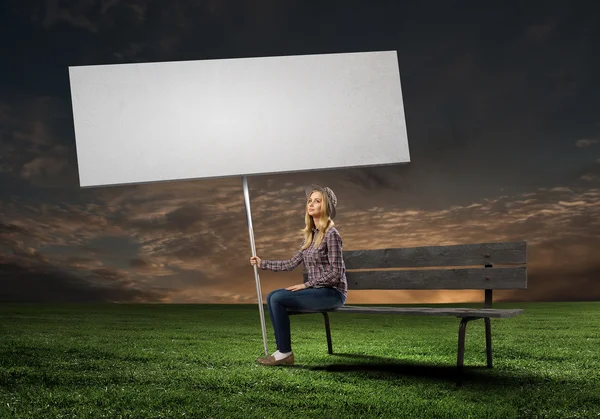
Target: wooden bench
x=479, y=270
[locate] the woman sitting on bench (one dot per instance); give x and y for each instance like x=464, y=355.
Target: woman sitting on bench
x=326, y=287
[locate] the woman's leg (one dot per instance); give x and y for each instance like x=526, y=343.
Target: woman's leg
x=272, y=316
x=306, y=299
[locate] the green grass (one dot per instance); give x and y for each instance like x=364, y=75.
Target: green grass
x=153, y=361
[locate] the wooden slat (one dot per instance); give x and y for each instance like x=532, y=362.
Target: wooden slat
x=425, y=311
x=438, y=279
x=508, y=253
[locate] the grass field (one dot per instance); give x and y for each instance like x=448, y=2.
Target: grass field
x=154, y=361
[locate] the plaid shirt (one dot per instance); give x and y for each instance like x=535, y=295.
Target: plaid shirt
x=324, y=264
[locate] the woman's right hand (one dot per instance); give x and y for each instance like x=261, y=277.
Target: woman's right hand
x=255, y=260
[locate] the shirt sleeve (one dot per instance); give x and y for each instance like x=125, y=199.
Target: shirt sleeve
x=282, y=265
x=332, y=272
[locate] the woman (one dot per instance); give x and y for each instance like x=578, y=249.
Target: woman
x=326, y=287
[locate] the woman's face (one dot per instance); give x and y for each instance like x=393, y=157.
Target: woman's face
x=314, y=204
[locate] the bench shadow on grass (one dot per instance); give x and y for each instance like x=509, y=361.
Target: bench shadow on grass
x=377, y=367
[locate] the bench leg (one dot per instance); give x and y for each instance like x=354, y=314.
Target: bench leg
x=328, y=332
x=462, y=328
x=488, y=341
x=461, y=342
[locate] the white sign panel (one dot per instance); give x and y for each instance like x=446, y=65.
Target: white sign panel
x=150, y=122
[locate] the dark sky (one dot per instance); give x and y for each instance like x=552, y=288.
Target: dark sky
x=502, y=103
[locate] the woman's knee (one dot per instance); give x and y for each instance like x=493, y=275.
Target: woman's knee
x=278, y=295
x=274, y=294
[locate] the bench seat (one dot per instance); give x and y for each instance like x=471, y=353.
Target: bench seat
x=423, y=311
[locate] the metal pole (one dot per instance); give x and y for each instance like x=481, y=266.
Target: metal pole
x=253, y=246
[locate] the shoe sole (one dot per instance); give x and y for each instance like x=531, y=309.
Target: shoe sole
x=285, y=361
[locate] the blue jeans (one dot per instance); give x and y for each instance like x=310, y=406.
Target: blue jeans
x=307, y=299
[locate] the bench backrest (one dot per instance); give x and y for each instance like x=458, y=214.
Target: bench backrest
x=481, y=261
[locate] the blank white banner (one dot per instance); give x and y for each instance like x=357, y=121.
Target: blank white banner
x=149, y=122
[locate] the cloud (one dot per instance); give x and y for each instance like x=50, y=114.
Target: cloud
x=193, y=236
x=586, y=142
x=107, y=274
x=47, y=171
x=210, y=295
x=35, y=142
x=591, y=177
x=183, y=240
x=573, y=284
x=29, y=271
x=82, y=263
x=6, y=229
x=587, y=175
x=75, y=14
x=540, y=32
x=107, y=4
x=46, y=285
x=138, y=263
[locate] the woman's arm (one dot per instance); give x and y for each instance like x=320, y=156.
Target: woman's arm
x=282, y=265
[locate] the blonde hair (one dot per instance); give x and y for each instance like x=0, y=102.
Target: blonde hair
x=325, y=223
